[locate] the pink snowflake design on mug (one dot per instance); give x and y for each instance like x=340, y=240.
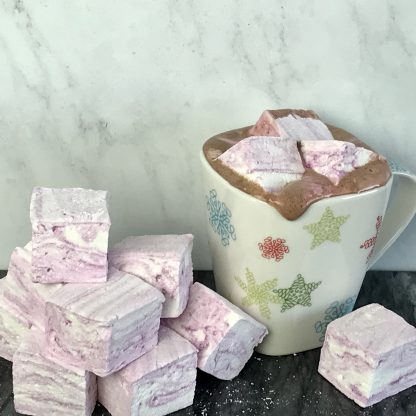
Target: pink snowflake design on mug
x=371, y=242
x=273, y=249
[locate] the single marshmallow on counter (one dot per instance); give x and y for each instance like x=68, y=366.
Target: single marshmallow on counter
x=290, y=125
x=334, y=159
x=102, y=327
x=224, y=335
x=23, y=295
x=268, y=161
x=369, y=354
x=69, y=235
x=44, y=387
x=160, y=382
x=13, y=325
x=164, y=261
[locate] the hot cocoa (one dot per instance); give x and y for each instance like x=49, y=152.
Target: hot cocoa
x=363, y=169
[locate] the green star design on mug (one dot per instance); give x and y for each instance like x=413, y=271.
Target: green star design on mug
x=299, y=293
x=327, y=228
x=258, y=294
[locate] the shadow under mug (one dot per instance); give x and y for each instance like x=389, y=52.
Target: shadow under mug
x=297, y=276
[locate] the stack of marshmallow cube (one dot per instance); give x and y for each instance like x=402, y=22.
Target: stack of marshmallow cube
x=71, y=311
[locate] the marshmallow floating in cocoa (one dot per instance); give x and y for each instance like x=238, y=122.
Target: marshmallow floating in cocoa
x=269, y=161
x=291, y=124
x=334, y=159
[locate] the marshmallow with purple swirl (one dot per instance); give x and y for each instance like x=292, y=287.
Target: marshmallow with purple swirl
x=13, y=325
x=102, y=327
x=223, y=334
x=69, y=235
x=334, y=158
x=369, y=354
x=271, y=162
x=21, y=293
x=158, y=383
x=45, y=387
x=164, y=261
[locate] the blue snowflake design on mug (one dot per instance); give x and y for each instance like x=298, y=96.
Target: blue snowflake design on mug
x=395, y=167
x=219, y=218
x=335, y=310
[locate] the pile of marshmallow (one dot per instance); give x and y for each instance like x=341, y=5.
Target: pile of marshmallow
x=271, y=157
x=71, y=311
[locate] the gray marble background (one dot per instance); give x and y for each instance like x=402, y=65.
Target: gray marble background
x=120, y=95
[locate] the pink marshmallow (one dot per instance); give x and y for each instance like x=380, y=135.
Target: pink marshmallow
x=23, y=295
x=102, y=327
x=369, y=354
x=160, y=382
x=13, y=326
x=334, y=159
x=45, y=387
x=164, y=261
x=223, y=334
x=291, y=127
x=269, y=161
x=69, y=234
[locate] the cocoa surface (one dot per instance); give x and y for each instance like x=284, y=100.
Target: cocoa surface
x=295, y=198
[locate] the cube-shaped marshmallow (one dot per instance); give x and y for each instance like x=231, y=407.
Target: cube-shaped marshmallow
x=45, y=387
x=160, y=382
x=223, y=334
x=369, y=354
x=164, y=261
x=271, y=162
x=13, y=326
x=69, y=235
x=291, y=124
x=334, y=158
x=102, y=327
x=23, y=295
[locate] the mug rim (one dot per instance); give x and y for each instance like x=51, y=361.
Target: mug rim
x=362, y=194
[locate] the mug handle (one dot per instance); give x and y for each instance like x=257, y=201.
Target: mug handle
x=400, y=210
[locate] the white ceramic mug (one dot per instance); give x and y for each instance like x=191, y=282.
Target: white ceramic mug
x=297, y=276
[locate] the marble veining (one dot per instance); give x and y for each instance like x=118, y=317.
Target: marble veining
x=121, y=96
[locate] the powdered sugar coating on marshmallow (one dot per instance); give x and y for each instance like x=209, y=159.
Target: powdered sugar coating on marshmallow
x=102, y=327
x=369, y=354
x=335, y=158
x=164, y=261
x=61, y=206
x=224, y=335
x=294, y=127
x=160, y=382
x=291, y=125
x=69, y=235
x=269, y=161
x=45, y=387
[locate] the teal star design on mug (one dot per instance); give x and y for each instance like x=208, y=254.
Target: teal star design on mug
x=220, y=218
x=260, y=294
x=327, y=228
x=299, y=293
